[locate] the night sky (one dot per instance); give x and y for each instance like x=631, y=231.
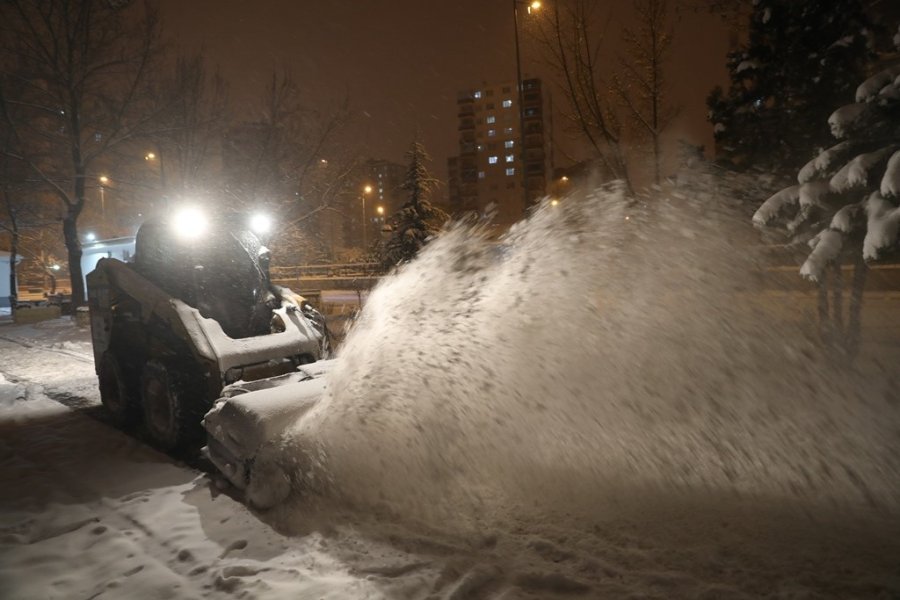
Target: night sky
x=402, y=62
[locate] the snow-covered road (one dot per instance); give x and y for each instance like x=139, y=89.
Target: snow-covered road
x=89, y=512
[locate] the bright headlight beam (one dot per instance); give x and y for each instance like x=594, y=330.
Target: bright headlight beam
x=260, y=223
x=189, y=223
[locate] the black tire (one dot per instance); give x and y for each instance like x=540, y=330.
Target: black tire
x=118, y=393
x=170, y=406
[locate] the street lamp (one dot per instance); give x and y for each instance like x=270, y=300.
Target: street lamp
x=532, y=6
x=366, y=190
x=103, y=179
x=153, y=157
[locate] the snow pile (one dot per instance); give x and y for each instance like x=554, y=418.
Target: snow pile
x=601, y=355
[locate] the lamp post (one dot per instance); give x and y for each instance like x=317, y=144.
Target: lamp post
x=103, y=179
x=532, y=6
x=156, y=157
x=366, y=190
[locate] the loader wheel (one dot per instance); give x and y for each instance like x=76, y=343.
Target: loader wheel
x=117, y=393
x=168, y=407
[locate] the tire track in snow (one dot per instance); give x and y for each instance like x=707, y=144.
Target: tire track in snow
x=85, y=358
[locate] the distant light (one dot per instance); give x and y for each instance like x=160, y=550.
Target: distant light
x=554, y=202
x=189, y=223
x=104, y=179
x=379, y=210
x=260, y=223
x=323, y=162
x=150, y=156
x=563, y=178
x=368, y=189
x=534, y=6
x=90, y=237
x=55, y=267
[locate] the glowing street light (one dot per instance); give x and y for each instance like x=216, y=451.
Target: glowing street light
x=380, y=211
x=534, y=6
x=90, y=236
x=150, y=156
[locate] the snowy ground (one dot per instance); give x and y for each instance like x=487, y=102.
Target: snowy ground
x=89, y=512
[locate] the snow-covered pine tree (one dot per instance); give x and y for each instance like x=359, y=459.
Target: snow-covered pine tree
x=847, y=199
x=417, y=220
x=802, y=57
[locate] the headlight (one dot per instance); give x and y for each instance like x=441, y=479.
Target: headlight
x=260, y=223
x=189, y=223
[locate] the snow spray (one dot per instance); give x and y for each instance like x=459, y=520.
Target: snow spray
x=604, y=350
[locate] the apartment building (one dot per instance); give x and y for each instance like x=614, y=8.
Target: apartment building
x=498, y=170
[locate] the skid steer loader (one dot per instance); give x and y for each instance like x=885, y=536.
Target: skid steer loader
x=192, y=313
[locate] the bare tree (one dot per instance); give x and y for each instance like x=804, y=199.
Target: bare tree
x=76, y=88
x=641, y=84
x=571, y=34
x=291, y=161
x=193, y=124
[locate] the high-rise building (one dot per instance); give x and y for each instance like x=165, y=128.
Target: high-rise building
x=499, y=170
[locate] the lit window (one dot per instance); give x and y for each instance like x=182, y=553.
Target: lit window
x=480, y=174
x=490, y=119
x=507, y=103
x=492, y=160
x=477, y=95
x=507, y=130
x=509, y=144
x=510, y=158
x=492, y=132
x=479, y=147
x=510, y=171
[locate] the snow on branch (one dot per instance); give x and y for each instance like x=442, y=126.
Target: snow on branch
x=890, y=182
x=826, y=162
x=882, y=226
x=826, y=247
x=776, y=204
x=844, y=220
x=874, y=85
x=814, y=193
x=855, y=174
x=848, y=119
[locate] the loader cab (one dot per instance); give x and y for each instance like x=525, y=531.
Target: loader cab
x=219, y=267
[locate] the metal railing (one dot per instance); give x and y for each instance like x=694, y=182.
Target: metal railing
x=337, y=271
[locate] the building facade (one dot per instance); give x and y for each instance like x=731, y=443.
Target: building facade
x=499, y=171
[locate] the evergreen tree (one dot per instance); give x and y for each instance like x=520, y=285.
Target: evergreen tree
x=847, y=200
x=802, y=57
x=417, y=220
